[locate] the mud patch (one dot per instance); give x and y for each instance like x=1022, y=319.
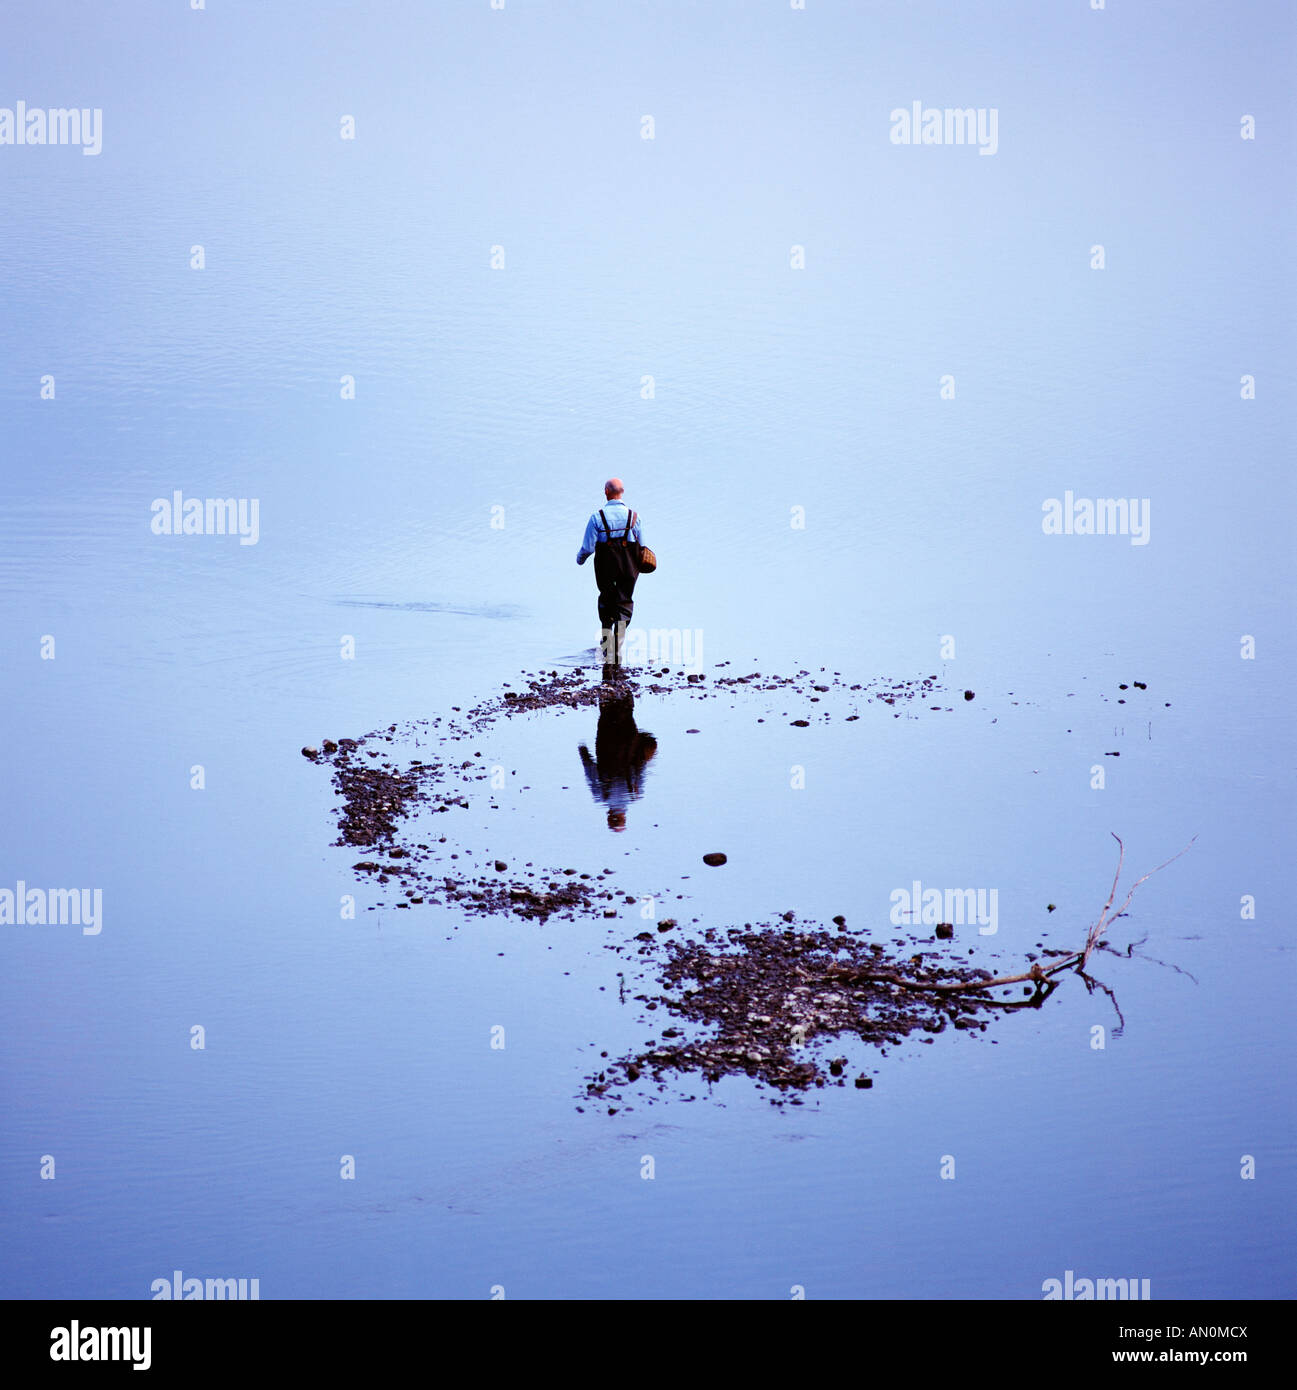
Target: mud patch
x=770, y=998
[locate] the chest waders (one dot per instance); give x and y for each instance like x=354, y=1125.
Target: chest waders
x=615, y=572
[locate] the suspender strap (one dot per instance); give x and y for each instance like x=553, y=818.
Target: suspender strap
x=630, y=525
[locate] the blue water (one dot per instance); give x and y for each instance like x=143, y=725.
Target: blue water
x=521, y=389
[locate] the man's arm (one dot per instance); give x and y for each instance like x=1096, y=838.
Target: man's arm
x=588, y=541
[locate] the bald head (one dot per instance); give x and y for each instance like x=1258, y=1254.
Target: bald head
x=613, y=489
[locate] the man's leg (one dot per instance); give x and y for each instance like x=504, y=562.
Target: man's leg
x=608, y=631
x=625, y=610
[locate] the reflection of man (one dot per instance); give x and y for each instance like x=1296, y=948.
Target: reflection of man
x=612, y=536
x=616, y=772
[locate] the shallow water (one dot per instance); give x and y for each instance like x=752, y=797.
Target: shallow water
x=520, y=389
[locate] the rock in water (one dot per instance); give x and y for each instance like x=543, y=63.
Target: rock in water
x=714, y=859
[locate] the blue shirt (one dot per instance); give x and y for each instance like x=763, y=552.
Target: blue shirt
x=616, y=512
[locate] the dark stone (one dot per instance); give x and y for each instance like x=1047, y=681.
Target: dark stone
x=945, y=930
x=715, y=859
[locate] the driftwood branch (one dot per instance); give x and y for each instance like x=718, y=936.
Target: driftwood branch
x=1076, y=960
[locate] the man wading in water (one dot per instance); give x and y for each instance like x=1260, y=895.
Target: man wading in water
x=612, y=536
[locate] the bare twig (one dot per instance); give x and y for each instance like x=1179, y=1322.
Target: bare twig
x=1096, y=931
